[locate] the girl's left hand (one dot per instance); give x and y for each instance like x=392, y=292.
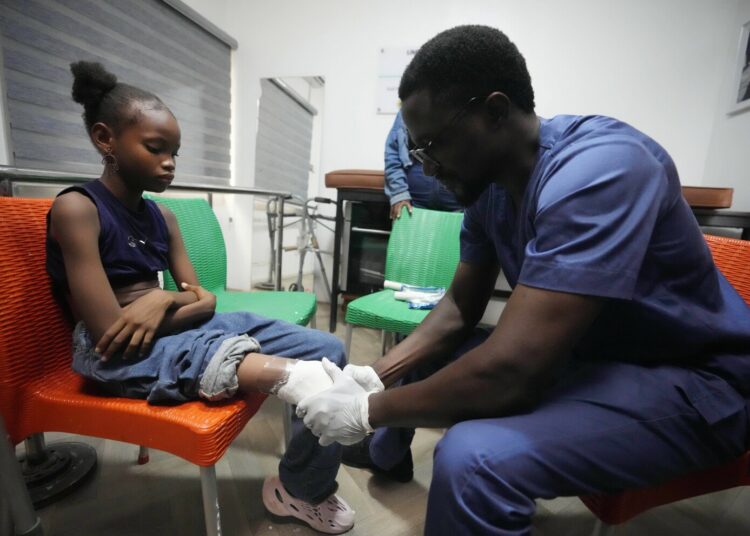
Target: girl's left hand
x=203, y=295
x=136, y=326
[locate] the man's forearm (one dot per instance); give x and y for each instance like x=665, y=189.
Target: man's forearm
x=466, y=389
x=536, y=334
x=438, y=335
x=447, y=325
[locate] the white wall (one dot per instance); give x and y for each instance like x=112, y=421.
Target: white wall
x=658, y=65
x=654, y=64
x=728, y=162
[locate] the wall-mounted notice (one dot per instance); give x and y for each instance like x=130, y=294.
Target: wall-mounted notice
x=391, y=65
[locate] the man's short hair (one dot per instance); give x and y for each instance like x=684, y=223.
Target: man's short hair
x=469, y=61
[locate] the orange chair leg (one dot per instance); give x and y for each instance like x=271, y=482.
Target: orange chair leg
x=143, y=455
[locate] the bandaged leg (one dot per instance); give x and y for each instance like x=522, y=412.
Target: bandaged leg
x=289, y=379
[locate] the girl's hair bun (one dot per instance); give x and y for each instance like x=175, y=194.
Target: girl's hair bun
x=91, y=82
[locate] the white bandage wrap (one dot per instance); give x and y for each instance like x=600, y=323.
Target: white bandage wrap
x=304, y=378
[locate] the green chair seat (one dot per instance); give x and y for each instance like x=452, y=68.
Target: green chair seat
x=205, y=246
x=423, y=250
x=295, y=307
x=381, y=310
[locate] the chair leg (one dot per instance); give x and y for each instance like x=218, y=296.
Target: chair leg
x=388, y=341
x=313, y=322
x=13, y=490
x=52, y=471
x=210, y=493
x=602, y=529
x=348, y=341
x=143, y=455
x=287, y=425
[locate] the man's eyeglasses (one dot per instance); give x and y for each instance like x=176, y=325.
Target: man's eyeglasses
x=421, y=154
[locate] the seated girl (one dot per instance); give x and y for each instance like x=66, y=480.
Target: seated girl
x=105, y=246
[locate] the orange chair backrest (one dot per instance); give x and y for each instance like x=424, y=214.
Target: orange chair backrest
x=733, y=259
x=34, y=332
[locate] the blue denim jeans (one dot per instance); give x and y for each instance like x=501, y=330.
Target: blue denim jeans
x=171, y=373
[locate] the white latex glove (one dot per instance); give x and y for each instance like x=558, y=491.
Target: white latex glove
x=339, y=414
x=366, y=377
x=306, y=378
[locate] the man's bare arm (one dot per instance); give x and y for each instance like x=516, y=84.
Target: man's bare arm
x=508, y=372
x=446, y=326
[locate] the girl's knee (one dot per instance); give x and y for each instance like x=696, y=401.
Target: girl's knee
x=326, y=345
x=334, y=351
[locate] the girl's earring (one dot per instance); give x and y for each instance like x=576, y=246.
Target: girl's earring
x=110, y=160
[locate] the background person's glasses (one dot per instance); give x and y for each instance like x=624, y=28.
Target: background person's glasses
x=421, y=155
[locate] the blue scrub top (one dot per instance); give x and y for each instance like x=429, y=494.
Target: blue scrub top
x=603, y=215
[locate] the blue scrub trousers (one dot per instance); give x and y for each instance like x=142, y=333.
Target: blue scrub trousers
x=604, y=427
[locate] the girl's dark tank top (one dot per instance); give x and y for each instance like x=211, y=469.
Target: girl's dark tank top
x=133, y=245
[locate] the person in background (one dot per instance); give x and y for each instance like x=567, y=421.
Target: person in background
x=106, y=244
x=406, y=185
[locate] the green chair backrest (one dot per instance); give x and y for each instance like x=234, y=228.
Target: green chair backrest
x=423, y=249
x=203, y=240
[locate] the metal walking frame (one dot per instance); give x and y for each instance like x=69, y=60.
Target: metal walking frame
x=306, y=212
x=307, y=241
x=275, y=218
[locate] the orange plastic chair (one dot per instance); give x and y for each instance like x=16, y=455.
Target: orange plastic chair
x=733, y=259
x=39, y=392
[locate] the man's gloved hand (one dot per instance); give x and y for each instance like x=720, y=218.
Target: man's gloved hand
x=366, y=377
x=306, y=378
x=339, y=414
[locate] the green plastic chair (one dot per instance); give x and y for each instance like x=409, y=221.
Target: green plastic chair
x=205, y=246
x=423, y=250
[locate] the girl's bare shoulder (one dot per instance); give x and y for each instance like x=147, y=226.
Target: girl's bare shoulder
x=71, y=210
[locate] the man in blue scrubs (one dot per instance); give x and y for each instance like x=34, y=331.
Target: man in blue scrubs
x=622, y=358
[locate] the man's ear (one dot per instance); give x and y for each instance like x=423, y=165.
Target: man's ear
x=103, y=137
x=497, y=105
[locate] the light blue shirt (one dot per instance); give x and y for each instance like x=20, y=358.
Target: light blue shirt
x=397, y=162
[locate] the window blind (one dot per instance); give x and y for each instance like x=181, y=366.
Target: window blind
x=145, y=43
x=282, y=155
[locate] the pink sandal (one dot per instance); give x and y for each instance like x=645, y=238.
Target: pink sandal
x=332, y=516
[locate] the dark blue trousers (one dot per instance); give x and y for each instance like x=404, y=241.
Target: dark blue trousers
x=604, y=427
